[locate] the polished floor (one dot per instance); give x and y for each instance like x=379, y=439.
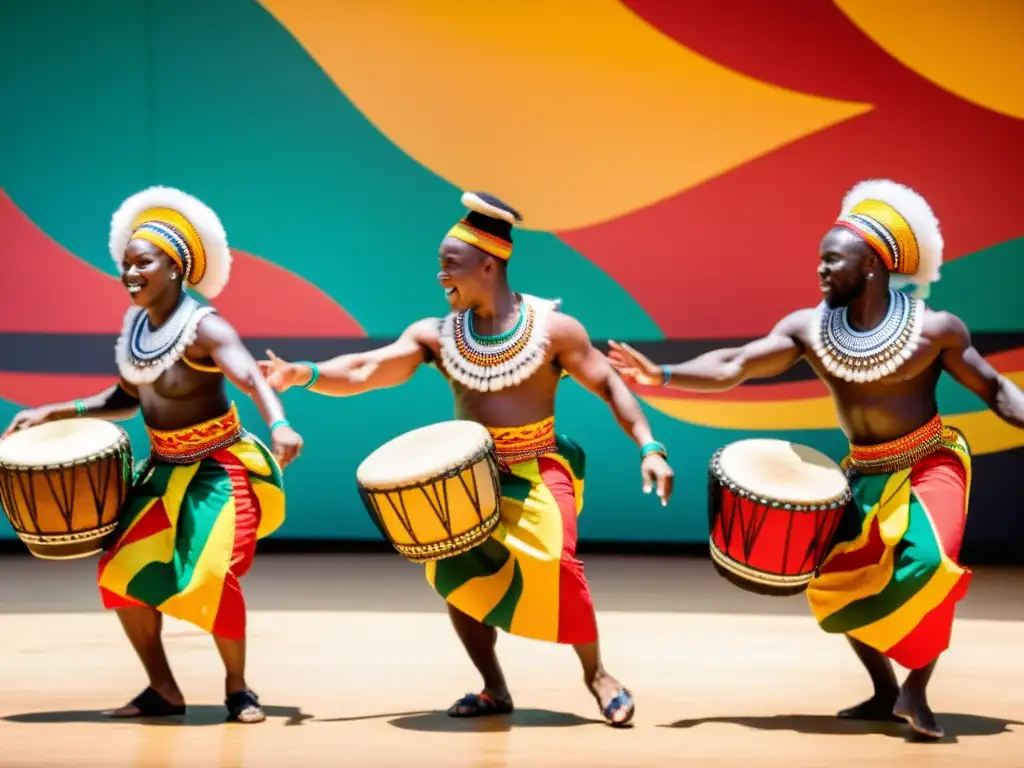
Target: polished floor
x=354, y=658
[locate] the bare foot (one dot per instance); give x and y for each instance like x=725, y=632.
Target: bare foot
x=155, y=701
x=614, y=701
x=913, y=707
x=876, y=709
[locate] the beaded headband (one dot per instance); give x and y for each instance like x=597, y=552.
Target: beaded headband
x=173, y=234
x=485, y=241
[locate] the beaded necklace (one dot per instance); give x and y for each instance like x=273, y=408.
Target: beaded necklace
x=490, y=363
x=862, y=356
x=143, y=353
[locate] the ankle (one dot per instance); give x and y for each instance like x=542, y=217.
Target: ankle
x=234, y=684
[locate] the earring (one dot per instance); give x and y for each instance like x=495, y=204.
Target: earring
x=870, y=275
x=174, y=275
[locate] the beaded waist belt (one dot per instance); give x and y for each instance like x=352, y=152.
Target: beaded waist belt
x=898, y=454
x=190, y=444
x=516, y=444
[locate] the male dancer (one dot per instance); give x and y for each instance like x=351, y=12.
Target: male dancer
x=209, y=489
x=503, y=354
x=892, y=578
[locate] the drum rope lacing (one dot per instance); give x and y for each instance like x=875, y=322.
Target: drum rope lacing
x=863, y=356
x=144, y=353
x=492, y=363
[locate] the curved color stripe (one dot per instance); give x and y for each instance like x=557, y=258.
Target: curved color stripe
x=298, y=175
x=729, y=258
x=29, y=390
x=573, y=117
x=56, y=292
x=969, y=47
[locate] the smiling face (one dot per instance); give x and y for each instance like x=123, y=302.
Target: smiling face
x=467, y=274
x=147, y=272
x=845, y=263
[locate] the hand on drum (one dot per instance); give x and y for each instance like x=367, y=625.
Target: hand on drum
x=634, y=366
x=657, y=474
x=286, y=444
x=31, y=417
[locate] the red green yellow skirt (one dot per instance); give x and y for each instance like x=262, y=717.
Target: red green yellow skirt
x=188, y=531
x=526, y=579
x=893, y=578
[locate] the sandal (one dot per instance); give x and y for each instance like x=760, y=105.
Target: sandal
x=244, y=707
x=480, y=705
x=621, y=700
x=150, y=704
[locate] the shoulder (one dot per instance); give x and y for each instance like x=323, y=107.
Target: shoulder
x=214, y=329
x=425, y=331
x=946, y=329
x=795, y=324
x=565, y=330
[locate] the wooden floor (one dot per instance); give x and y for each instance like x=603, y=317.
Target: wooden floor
x=354, y=658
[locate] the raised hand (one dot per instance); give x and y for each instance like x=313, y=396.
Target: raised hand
x=634, y=366
x=280, y=375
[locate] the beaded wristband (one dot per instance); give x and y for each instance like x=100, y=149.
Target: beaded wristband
x=653, y=447
x=314, y=373
x=279, y=423
x=666, y=376
x=80, y=408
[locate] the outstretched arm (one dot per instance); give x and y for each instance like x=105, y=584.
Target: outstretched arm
x=966, y=365
x=581, y=360
x=115, y=403
x=721, y=369
x=359, y=372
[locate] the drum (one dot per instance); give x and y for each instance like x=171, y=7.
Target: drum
x=62, y=485
x=773, y=508
x=433, y=492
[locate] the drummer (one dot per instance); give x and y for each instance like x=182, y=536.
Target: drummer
x=209, y=489
x=892, y=579
x=503, y=354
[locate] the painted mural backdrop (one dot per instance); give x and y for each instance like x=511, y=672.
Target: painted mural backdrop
x=676, y=161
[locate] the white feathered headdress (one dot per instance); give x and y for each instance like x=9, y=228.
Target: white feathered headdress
x=183, y=227
x=900, y=226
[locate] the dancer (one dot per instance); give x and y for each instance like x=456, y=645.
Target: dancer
x=892, y=578
x=209, y=489
x=503, y=354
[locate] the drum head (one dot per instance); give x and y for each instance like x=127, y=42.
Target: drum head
x=59, y=442
x=423, y=454
x=782, y=471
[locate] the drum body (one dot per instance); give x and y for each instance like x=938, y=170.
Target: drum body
x=433, y=492
x=773, y=508
x=62, y=485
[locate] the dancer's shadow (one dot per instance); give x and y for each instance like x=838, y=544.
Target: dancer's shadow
x=197, y=715
x=436, y=721
x=955, y=724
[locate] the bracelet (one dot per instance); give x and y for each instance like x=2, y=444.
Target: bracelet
x=279, y=423
x=652, y=447
x=666, y=375
x=80, y=408
x=314, y=373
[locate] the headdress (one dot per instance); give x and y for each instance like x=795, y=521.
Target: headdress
x=181, y=226
x=487, y=225
x=901, y=228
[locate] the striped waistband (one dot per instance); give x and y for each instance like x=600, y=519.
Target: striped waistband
x=516, y=444
x=899, y=454
x=191, y=444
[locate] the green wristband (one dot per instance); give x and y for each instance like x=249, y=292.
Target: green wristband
x=652, y=447
x=314, y=373
x=80, y=408
x=279, y=423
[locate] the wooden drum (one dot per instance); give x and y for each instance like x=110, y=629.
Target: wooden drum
x=63, y=483
x=773, y=508
x=433, y=492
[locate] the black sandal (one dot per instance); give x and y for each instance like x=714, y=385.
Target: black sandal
x=240, y=701
x=480, y=705
x=622, y=700
x=150, y=704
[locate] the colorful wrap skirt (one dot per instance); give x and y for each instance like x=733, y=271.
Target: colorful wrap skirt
x=526, y=579
x=892, y=578
x=188, y=531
